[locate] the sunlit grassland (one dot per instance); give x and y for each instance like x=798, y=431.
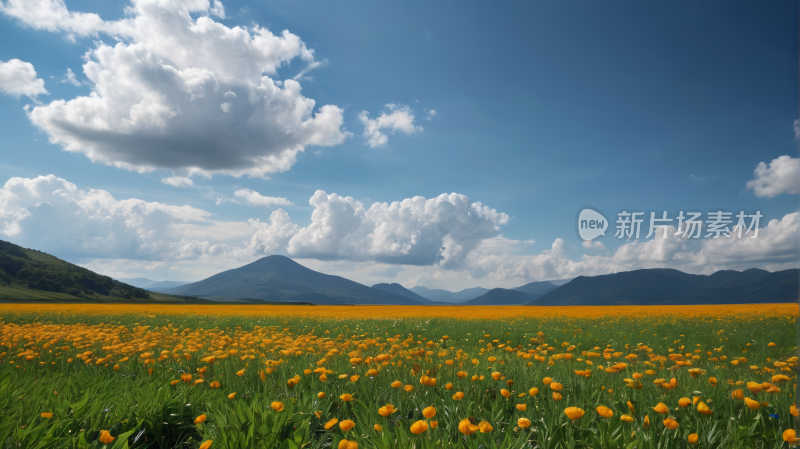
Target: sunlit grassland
x=112, y=367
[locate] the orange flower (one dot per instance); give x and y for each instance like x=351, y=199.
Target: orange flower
x=277, y=406
x=346, y=425
x=604, y=411
x=670, y=423
x=574, y=413
x=485, y=427
x=522, y=407
x=630, y=407
x=346, y=397
x=397, y=384
x=466, y=427
x=556, y=396
x=661, y=408
x=496, y=375
x=793, y=411
x=738, y=394
x=684, y=402
x=754, y=387
x=626, y=418
x=458, y=396
x=692, y=438
x=434, y=424
x=408, y=388
x=47, y=415
x=751, y=404
x=547, y=380
x=429, y=412
x=321, y=395
x=505, y=393
x=206, y=444
x=790, y=436
x=331, y=423
x=105, y=437
x=378, y=427
x=524, y=423
x=232, y=395
x=200, y=419
x=345, y=444
x=712, y=381
x=449, y=386
x=419, y=427
x=555, y=386
x=386, y=410
x=646, y=423
x=533, y=391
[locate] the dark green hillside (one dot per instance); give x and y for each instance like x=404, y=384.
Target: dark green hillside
x=25, y=271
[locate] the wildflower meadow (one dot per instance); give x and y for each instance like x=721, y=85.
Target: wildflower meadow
x=253, y=376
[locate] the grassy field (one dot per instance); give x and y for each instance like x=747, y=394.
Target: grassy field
x=242, y=376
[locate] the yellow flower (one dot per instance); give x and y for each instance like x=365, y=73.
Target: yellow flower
x=524, y=423
x=232, y=395
x=434, y=424
x=397, y=384
x=692, y=438
x=105, y=437
x=793, y=411
x=670, y=423
x=240, y=373
x=458, y=396
x=574, y=413
x=684, y=402
x=378, y=427
x=321, y=395
x=547, y=380
x=533, y=391
x=346, y=397
x=555, y=386
x=419, y=427
x=277, y=406
x=47, y=415
x=496, y=375
x=346, y=425
x=429, y=412
x=738, y=394
x=505, y=393
x=626, y=418
x=354, y=378
x=408, y=388
x=703, y=408
x=331, y=423
x=604, y=411
x=318, y=414
x=522, y=407
x=200, y=419
x=556, y=396
x=485, y=427
x=206, y=444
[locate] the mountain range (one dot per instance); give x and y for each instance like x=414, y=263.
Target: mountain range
x=663, y=286
x=27, y=274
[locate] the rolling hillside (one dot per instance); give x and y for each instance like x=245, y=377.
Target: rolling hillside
x=398, y=289
x=27, y=274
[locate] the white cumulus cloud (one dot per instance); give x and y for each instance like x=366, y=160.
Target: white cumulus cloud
x=257, y=199
x=400, y=118
x=19, y=78
x=782, y=175
x=182, y=93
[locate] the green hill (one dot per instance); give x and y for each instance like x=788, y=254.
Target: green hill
x=27, y=274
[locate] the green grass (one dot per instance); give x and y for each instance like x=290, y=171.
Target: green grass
x=142, y=409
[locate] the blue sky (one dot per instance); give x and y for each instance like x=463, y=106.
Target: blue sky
x=541, y=108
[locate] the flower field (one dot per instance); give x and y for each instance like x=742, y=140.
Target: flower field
x=242, y=376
